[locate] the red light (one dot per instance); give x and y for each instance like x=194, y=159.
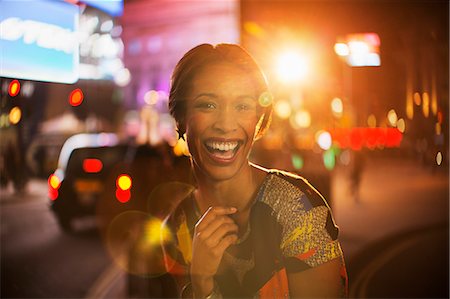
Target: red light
x=76, y=97
x=14, y=88
x=123, y=196
x=92, y=165
x=53, y=194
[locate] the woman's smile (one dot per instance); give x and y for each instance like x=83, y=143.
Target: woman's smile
x=222, y=150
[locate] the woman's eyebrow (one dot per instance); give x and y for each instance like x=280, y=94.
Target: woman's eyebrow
x=205, y=94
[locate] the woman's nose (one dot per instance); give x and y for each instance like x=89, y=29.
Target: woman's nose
x=226, y=121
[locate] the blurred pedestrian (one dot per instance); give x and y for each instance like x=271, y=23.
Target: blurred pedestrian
x=244, y=231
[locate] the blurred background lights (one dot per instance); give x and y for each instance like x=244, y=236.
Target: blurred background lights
x=341, y=49
x=303, y=118
x=417, y=99
x=323, y=139
x=425, y=104
x=14, y=88
x=151, y=97
x=401, y=125
x=297, y=161
x=372, y=121
x=265, y=99
x=283, y=109
x=329, y=159
x=392, y=117
x=76, y=97
x=438, y=129
x=122, y=77
x=439, y=158
x=337, y=107
x=15, y=115
x=291, y=67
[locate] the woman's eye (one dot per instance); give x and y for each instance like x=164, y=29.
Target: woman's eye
x=206, y=105
x=244, y=107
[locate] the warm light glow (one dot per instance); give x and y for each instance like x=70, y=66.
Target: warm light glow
x=392, y=117
x=156, y=233
x=283, y=109
x=438, y=129
x=417, y=99
x=124, y=182
x=54, y=182
x=341, y=49
x=372, y=121
x=425, y=104
x=76, y=97
x=303, y=118
x=14, y=88
x=265, y=99
x=439, y=158
x=15, y=115
x=401, y=125
x=92, y=165
x=323, y=139
x=291, y=67
x=123, y=196
x=337, y=107
x=151, y=97
x=409, y=109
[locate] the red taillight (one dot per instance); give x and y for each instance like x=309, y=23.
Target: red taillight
x=53, y=185
x=92, y=165
x=123, y=184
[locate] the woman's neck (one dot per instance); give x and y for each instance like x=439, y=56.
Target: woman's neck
x=237, y=191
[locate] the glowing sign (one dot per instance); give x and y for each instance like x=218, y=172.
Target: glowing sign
x=39, y=40
x=360, y=49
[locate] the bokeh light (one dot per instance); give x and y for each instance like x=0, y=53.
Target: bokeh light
x=303, y=118
x=124, y=182
x=15, y=115
x=417, y=99
x=291, y=67
x=14, y=88
x=76, y=97
x=425, y=104
x=265, y=99
x=439, y=158
x=283, y=109
x=297, y=161
x=392, y=117
x=323, y=139
x=401, y=125
x=372, y=121
x=337, y=107
x=341, y=49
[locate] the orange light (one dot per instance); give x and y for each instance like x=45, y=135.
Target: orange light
x=123, y=196
x=14, y=88
x=123, y=182
x=76, y=97
x=92, y=165
x=54, y=182
x=53, y=194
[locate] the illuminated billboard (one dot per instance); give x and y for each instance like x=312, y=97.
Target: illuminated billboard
x=38, y=40
x=112, y=7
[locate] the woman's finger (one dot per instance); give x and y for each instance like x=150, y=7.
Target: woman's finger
x=211, y=214
x=221, y=232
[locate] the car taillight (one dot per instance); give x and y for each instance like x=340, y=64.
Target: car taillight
x=123, y=186
x=53, y=185
x=92, y=165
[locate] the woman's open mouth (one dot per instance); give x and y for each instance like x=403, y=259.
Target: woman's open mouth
x=222, y=151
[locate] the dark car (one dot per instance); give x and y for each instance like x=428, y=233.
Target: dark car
x=103, y=178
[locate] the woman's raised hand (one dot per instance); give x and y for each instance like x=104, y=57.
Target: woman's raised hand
x=214, y=233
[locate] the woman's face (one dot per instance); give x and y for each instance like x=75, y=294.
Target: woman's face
x=221, y=118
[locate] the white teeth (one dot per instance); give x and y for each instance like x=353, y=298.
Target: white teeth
x=222, y=146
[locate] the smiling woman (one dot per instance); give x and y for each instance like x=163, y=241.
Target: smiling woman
x=243, y=231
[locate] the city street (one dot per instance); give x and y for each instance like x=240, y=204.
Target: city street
x=38, y=260
x=395, y=239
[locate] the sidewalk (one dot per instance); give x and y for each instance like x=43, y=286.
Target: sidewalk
x=35, y=189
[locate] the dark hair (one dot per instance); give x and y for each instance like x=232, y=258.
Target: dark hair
x=196, y=58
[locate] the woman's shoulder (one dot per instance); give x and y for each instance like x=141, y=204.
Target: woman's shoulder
x=288, y=186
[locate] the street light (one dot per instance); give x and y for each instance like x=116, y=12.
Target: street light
x=291, y=67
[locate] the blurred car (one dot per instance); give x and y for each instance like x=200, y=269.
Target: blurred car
x=99, y=176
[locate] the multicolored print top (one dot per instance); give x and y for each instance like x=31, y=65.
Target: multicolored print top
x=291, y=229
